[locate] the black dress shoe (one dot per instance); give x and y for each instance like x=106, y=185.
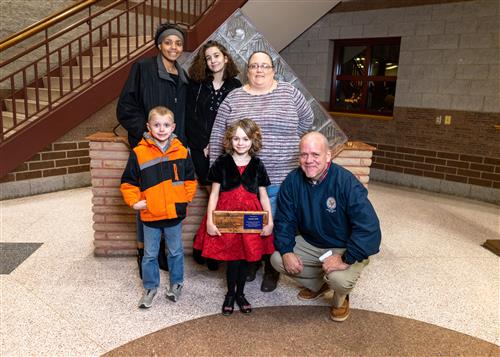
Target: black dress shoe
x=228, y=305
x=243, y=304
x=269, y=281
x=252, y=271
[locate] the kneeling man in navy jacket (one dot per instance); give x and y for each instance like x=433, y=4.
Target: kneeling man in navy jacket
x=337, y=227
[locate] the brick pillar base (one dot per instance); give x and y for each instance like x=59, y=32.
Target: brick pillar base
x=356, y=157
x=114, y=221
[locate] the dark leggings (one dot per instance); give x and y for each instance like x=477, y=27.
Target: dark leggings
x=236, y=274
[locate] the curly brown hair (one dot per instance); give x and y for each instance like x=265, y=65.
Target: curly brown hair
x=251, y=129
x=199, y=71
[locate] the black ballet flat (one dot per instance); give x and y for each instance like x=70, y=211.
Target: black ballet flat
x=228, y=306
x=243, y=304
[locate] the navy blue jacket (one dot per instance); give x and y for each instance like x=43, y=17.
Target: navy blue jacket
x=334, y=213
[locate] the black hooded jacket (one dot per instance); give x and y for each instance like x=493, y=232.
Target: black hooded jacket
x=150, y=85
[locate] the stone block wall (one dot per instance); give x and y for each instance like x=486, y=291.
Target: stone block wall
x=449, y=56
x=449, y=65
x=114, y=222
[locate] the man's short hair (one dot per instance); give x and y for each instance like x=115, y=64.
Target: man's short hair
x=318, y=135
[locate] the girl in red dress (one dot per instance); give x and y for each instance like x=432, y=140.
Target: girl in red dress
x=239, y=181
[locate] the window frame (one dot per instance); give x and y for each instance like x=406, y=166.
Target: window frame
x=369, y=43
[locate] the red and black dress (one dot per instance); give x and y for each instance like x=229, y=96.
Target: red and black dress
x=238, y=192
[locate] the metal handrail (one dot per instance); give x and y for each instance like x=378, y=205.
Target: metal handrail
x=72, y=57
x=45, y=24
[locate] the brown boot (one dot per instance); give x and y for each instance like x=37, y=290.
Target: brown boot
x=309, y=295
x=340, y=314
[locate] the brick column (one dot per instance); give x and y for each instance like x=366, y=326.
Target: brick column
x=114, y=221
x=356, y=157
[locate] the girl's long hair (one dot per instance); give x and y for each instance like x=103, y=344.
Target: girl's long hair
x=199, y=71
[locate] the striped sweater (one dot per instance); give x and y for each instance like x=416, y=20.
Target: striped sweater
x=283, y=116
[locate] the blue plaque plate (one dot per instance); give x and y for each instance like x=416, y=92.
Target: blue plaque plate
x=253, y=221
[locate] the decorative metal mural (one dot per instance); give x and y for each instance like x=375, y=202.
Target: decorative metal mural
x=241, y=38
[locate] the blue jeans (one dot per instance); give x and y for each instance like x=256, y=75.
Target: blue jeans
x=175, y=256
x=272, y=192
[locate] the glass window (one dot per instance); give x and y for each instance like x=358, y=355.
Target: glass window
x=384, y=60
x=353, y=60
x=364, y=75
x=380, y=97
x=349, y=94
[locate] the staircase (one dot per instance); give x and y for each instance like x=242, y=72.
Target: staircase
x=69, y=79
x=83, y=67
x=72, y=79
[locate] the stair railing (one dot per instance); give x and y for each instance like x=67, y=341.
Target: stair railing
x=62, y=54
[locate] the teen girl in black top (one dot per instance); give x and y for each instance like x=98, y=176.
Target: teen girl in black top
x=213, y=75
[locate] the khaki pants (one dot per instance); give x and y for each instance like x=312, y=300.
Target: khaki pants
x=313, y=277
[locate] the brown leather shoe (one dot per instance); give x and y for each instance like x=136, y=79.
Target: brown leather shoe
x=309, y=295
x=340, y=314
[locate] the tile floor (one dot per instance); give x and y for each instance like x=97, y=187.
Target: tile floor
x=64, y=301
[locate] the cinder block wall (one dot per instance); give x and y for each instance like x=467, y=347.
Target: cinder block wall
x=449, y=65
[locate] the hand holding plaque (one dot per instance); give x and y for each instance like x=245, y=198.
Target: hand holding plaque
x=240, y=221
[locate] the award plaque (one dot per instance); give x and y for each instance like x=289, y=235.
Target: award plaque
x=240, y=221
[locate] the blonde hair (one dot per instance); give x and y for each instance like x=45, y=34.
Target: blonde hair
x=250, y=128
x=161, y=111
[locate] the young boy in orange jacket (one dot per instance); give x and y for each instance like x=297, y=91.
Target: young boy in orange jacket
x=159, y=181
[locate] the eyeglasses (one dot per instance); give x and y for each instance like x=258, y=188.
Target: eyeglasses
x=263, y=66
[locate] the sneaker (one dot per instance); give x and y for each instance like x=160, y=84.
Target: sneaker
x=309, y=295
x=340, y=314
x=147, y=298
x=174, y=292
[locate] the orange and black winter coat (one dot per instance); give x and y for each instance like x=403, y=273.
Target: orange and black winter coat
x=166, y=180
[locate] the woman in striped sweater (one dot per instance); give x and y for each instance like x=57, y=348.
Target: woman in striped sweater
x=282, y=113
